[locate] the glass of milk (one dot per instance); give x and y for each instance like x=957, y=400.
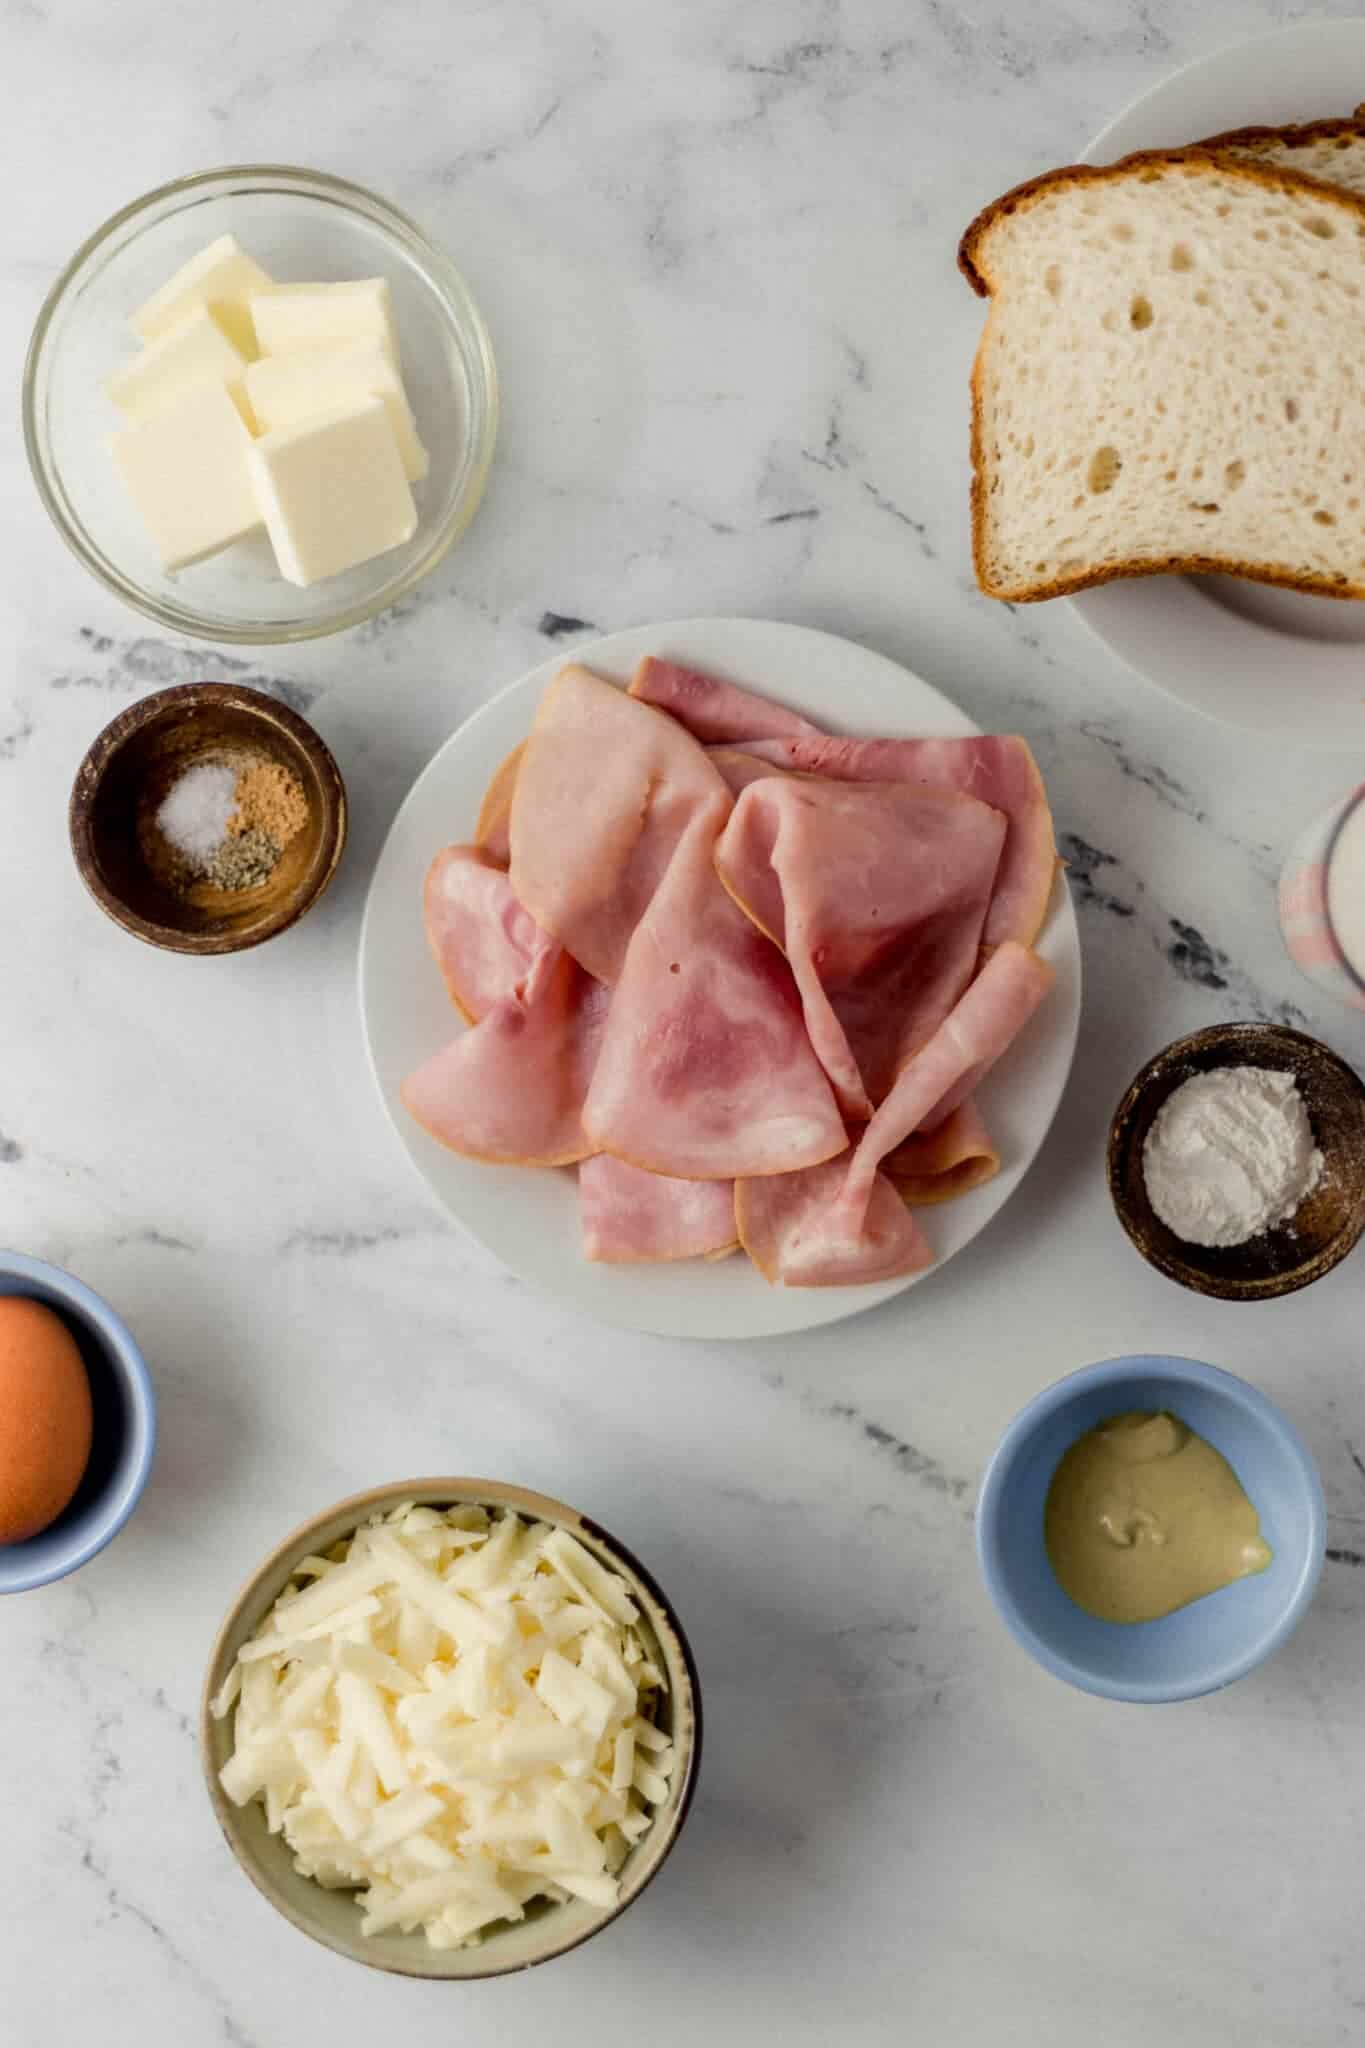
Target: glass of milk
x=1322, y=901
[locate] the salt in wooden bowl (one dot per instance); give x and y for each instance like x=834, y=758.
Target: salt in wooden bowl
x=138, y=759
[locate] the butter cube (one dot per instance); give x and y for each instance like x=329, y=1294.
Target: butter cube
x=333, y=491
x=222, y=277
x=283, y=390
x=197, y=351
x=186, y=467
x=294, y=316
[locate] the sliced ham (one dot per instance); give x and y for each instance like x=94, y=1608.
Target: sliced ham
x=629, y=1216
x=821, y=1232
x=713, y=711
x=605, y=791
x=939, y=1165
x=877, y=893
x=983, y=1025
x=483, y=940
x=511, y=1089
x=706, y=1071
x=1000, y=771
x=491, y=831
x=997, y=771
x=738, y=769
x=784, y=1227
x=688, y=913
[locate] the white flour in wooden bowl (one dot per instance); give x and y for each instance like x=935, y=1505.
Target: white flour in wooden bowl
x=1230, y=1153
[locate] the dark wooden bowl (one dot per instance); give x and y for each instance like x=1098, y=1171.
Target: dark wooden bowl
x=1327, y=1223
x=133, y=764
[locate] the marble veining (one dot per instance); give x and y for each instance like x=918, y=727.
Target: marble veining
x=716, y=250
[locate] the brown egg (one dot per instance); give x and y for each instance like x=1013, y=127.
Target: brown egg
x=44, y=1417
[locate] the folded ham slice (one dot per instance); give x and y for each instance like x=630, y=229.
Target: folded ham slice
x=511, y=1089
x=939, y=1165
x=487, y=947
x=877, y=893
x=605, y=791
x=784, y=1227
x=825, y=1232
x=983, y=1025
x=706, y=1071
x=999, y=771
x=712, y=710
x=628, y=1216
x=738, y=769
x=491, y=831
x=483, y=940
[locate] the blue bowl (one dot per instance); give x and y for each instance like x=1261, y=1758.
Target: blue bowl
x=124, y=1428
x=1214, y=1640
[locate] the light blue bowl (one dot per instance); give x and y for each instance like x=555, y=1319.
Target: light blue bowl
x=123, y=1437
x=1203, y=1646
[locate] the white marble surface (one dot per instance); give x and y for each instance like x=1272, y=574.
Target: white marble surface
x=715, y=245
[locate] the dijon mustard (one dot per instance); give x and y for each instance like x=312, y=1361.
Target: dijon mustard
x=1143, y=1517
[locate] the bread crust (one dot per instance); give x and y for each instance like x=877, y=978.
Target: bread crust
x=1193, y=158
x=1294, y=135
x=1169, y=565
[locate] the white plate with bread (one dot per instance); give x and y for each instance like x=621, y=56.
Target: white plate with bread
x=1169, y=399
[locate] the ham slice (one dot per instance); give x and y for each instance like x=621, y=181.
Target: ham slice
x=486, y=945
x=939, y=1165
x=1000, y=771
x=491, y=832
x=628, y=1216
x=983, y=1025
x=825, y=1232
x=706, y=1071
x=606, y=789
x=877, y=893
x=511, y=1089
x=483, y=940
x=714, y=711
x=738, y=769
x=784, y=1227
x=997, y=771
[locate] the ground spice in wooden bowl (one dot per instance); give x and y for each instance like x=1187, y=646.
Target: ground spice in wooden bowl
x=224, y=823
x=207, y=818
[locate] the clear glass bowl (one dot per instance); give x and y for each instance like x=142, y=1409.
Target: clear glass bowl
x=302, y=225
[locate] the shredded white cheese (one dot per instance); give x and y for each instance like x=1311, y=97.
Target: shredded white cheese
x=454, y=1716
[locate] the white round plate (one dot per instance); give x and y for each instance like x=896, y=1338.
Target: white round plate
x=1244, y=653
x=529, y=1215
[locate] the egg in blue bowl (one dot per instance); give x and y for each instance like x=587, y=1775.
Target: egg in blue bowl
x=77, y=1423
x=1074, y=1491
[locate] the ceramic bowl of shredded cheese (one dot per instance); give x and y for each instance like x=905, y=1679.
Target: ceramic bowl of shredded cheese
x=1237, y=1161
x=451, y=1728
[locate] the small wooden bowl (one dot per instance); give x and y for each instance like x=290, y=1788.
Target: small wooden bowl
x=1327, y=1223
x=131, y=767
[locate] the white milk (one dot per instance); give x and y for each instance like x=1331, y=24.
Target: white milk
x=1346, y=889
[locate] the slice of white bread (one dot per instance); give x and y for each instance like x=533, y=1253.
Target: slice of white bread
x=1171, y=378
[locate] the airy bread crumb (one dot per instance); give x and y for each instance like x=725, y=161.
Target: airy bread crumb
x=1168, y=380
